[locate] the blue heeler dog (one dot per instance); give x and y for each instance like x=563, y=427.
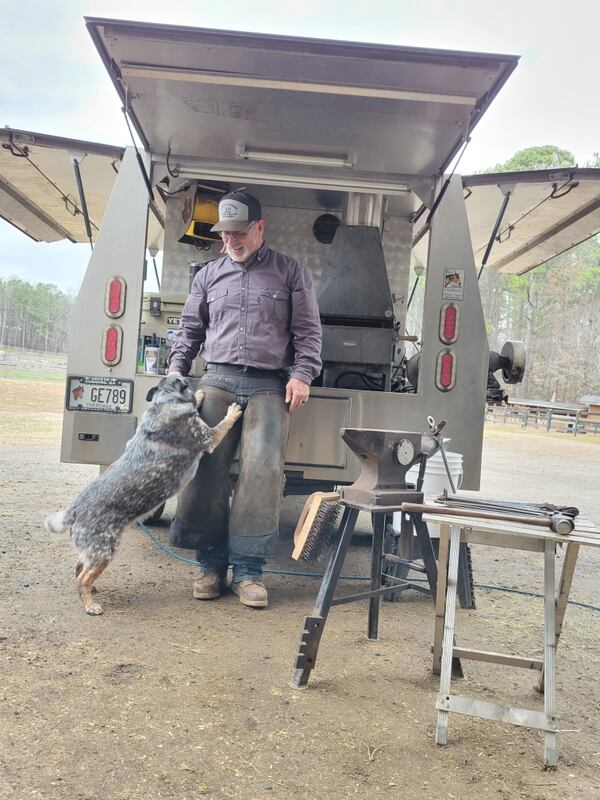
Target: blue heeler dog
x=158, y=461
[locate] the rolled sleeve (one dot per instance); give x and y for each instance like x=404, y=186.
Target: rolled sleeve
x=192, y=328
x=305, y=327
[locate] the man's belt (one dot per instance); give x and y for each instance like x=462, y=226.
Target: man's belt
x=242, y=369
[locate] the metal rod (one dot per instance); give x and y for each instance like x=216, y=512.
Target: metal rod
x=84, y=208
x=497, y=224
x=445, y=460
x=139, y=158
x=412, y=291
x=558, y=523
x=438, y=200
x=156, y=273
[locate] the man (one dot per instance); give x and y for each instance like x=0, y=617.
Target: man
x=254, y=316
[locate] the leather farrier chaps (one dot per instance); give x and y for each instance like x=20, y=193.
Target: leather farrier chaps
x=204, y=520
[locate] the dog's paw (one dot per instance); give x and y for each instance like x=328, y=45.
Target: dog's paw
x=234, y=412
x=199, y=397
x=94, y=609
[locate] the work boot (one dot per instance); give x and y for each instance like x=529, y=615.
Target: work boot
x=208, y=585
x=251, y=593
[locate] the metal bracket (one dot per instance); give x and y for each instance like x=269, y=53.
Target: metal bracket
x=17, y=153
x=309, y=642
x=557, y=193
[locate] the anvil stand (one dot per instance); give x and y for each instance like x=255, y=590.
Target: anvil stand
x=380, y=489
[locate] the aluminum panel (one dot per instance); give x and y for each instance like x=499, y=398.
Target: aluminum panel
x=396, y=240
x=319, y=445
x=90, y=437
x=397, y=109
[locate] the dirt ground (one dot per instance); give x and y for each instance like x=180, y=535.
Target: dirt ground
x=167, y=697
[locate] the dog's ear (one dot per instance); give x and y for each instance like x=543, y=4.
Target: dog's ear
x=151, y=393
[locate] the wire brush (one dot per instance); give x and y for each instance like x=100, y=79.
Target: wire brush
x=316, y=526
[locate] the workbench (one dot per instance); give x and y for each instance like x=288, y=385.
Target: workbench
x=514, y=536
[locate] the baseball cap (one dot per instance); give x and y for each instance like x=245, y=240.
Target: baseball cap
x=237, y=210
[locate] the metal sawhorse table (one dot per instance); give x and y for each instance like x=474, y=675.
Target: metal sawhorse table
x=517, y=536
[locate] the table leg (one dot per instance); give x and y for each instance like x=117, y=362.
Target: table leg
x=441, y=736
x=427, y=553
x=376, y=556
x=550, y=631
x=566, y=580
x=440, y=597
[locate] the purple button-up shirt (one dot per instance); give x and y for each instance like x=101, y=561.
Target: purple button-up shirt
x=262, y=313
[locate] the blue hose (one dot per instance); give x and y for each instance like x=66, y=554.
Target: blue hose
x=297, y=574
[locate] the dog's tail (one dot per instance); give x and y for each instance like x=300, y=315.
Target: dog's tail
x=59, y=521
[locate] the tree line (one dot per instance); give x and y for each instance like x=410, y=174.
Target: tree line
x=35, y=317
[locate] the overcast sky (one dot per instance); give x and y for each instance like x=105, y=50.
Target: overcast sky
x=52, y=79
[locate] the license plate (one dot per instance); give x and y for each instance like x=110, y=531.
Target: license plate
x=114, y=395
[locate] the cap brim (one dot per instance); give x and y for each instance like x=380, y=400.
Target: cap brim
x=231, y=225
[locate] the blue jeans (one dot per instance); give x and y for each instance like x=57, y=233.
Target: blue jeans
x=245, y=568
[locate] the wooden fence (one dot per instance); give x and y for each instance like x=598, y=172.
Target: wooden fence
x=573, y=423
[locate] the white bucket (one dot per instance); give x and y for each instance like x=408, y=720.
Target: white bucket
x=435, y=481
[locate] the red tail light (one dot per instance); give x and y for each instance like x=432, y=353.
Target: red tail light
x=114, y=298
x=449, y=323
x=445, y=373
x=112, y=339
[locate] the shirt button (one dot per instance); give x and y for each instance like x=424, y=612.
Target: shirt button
x=242, y=308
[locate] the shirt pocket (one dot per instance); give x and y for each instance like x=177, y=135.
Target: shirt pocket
x=274, y=305
x=216, y=300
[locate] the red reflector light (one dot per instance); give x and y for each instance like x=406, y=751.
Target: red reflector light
x=449, y=323
x=114, y=300
x=111, y=345
x=445, y=376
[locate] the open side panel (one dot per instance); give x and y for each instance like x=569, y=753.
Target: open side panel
x=38, y=185
x=546, y=213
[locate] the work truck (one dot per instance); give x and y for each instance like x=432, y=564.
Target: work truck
x=352, y=150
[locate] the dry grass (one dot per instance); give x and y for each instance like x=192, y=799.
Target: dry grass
x=30, y=412
x=497, y=430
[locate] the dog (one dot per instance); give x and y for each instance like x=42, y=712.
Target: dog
x=160, y=458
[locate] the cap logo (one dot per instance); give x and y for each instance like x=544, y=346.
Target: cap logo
x=233, y=209
x=228, y=212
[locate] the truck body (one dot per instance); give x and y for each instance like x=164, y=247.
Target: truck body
x=349, y=147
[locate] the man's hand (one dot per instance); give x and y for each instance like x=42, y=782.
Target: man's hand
x=296, y=393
